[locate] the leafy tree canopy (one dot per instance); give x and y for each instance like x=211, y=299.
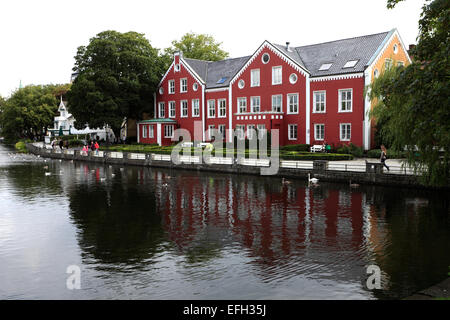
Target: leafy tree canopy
x=413, y=102
x=117, y=76
x=30, y=111
x=198, y=46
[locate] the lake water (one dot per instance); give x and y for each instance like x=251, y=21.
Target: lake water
x=145, y=233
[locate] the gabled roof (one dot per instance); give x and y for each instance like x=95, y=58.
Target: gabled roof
x=310, y=57
x=212, y=71
x=339, y=52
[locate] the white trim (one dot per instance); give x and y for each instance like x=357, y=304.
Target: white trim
x=251, y=104
x=315, y=131
x=154, y=105
x=340, y=131
x=192, y=108
x=168, y=126
x=175, y=108
x=230, y=114
x=267, y=44
x=207, y=105
x=137, y=128
x=181, y=109
x=218, y=108
x=289, y=131
x=367, y=108
x=288, y=105
x=281, y=106
x=251, y=78
x=152, y=131
x=217, y=89
x=203, y=111
x=181, y=85
x=239, y=107
x=168, y=86
x=340, y=100
x=159, y=109
x=386, y=45
x=307, y=109
x=314, y=101
x=167, y=72
x=191, y=71
x=338, y=77
x=281, y=75
x=158, y=134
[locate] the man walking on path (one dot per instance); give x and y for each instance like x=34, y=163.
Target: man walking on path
x=384, y=156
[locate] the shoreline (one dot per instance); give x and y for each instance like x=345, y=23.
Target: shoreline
x=436, y=292
x=371, y=173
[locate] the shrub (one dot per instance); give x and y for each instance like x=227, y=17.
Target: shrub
x=296, y=147
x=75, y=142
x=21, y=146
x=316, y=156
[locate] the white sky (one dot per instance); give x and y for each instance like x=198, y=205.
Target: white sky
x=38, y=39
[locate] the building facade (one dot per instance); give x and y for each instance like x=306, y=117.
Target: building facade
x=311, y=94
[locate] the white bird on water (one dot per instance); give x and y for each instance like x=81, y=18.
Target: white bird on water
x=312, y=180
x=48, y=173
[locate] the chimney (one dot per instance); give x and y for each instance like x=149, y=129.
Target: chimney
x=287, y=46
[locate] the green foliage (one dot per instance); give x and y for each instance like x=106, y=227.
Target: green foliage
x=413, y=101
x=198, y=46
x=29, y=111
x=75, y=142
x=296, y=147
x=351, y=149
x=391, y=154
x=117, y=76
x=292, y=155
x=20, y=146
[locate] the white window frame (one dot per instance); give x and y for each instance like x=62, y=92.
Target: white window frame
x=340, y=100
x=167, y=131
x=281, y=102
x=239, y=104
x=316, y=137
x=182, y=115
x=253, y=78
x=162, y=110
x=261, y=129
x=341, y=125
x=220, y=109
x=144, y=131
x=324, y=92
x=171, y=86
x=213, y=109
x=151, y=132
x=174, y=109
x=276, y=81
x=387, y=63
x=252, y=106
x=289, y=131
x=195, y=107
x=289, y=103
x=183, y=86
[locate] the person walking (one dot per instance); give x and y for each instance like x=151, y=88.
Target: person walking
x=383, y=156
x=96, y=146
x=61, y=144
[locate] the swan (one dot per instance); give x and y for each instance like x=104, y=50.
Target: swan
x=284, y=181
x=312, y=180
x=353, y=185
x=48, y=173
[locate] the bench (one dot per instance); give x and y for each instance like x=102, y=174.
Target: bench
x=317, y=148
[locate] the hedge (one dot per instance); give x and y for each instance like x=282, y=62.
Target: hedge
x=296, y=147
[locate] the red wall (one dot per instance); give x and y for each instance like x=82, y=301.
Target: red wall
x=332, y=118
x=266, y=90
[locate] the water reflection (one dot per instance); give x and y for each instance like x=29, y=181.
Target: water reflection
x=155, y=233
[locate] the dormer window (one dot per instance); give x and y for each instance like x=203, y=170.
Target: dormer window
x=350, y=64
x=325, y=67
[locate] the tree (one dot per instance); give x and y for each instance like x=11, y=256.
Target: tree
x=413, y=102
x=29, y=111
x=198, y=46
x=117, y=76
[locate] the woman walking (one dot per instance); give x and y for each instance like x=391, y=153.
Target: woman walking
x=384, y=156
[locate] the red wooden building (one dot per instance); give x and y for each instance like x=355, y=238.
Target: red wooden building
x=311, y=94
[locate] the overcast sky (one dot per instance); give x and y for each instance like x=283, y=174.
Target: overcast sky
x=39, y=38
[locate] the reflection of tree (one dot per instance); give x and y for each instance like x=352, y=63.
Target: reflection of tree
x=117, y=223
x=414, y=254
x=29, y=180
